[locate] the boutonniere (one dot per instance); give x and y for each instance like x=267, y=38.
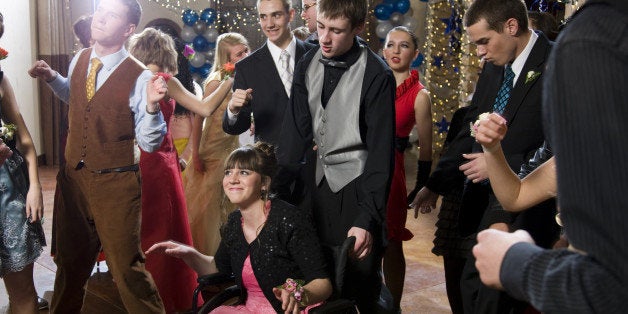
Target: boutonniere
x=227, y=70
x=7, y=131
x=531, y=76
x=474, y=126
x=3, y=53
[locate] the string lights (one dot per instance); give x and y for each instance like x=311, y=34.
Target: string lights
x=451, y=65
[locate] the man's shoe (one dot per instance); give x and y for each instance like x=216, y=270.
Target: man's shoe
x=42, y=303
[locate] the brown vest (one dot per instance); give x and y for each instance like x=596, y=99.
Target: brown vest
x=102, y=131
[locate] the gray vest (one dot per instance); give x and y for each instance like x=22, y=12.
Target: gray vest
x=341, y=155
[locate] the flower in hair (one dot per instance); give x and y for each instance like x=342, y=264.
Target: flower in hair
x=189, y=52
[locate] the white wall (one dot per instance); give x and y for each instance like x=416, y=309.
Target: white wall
x=20, y=41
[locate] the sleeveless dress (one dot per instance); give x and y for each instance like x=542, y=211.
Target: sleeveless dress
x=208, y=208
x=21, y=242
x=397, y=207
x=164, y=217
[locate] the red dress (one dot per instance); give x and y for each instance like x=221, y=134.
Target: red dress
x=397, y=207
x=164, y=217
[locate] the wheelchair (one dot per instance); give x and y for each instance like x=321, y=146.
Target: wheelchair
x=335, y=304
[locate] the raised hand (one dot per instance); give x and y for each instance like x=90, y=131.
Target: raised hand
x=156, y=90
x=239, y=99
x=490, y=251
x=491, y=131
x=41, y=69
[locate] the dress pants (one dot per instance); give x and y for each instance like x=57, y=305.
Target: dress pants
x=101, y=209
x=334, y=214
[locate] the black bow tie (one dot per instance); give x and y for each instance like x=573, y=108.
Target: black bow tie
x=333, y=63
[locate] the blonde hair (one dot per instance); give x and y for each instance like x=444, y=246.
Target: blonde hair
x=153, y=46
x=223, y=42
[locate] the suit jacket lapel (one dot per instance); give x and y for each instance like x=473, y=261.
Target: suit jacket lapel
x=534, y=64
x=267, y=69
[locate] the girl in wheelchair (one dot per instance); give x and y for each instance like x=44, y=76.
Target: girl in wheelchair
x=268, y=245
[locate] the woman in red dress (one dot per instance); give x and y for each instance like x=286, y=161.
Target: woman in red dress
x=412, y=107
x=164, y=211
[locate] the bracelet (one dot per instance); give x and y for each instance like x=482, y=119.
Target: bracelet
x=295, y=287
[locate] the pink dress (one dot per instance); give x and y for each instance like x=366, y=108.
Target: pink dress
x=397, y=207
x=256, y=301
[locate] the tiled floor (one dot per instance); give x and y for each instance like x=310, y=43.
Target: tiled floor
x=424, y=290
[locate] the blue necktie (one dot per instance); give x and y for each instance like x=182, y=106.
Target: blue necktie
x=504, y=91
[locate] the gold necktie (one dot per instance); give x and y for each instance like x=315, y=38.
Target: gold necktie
x=90, y=85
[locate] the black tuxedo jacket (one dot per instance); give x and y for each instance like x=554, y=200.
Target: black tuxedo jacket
x=258, y=72
x=525, y=134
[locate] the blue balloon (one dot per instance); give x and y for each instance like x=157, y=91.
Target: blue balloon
x=192, y=69
x=189, y=17
x=418, y=61
x=402, y=6
x=204, y=70
x=383, y=11
x=208, y=16
x=211, y=45
x=200, y=43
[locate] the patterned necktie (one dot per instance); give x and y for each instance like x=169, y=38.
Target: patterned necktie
x=90, y=84
x=285, y=72
x=504, y=91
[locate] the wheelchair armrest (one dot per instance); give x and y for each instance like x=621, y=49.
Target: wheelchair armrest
x=335, y=306
x=214, y=279
x=220, y=299
x=209, y=280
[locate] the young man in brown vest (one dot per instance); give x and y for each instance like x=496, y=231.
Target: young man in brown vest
x=113, y=109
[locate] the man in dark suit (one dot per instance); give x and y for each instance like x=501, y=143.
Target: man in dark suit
x=510, y=84
x=263, y=78
x=262, y=85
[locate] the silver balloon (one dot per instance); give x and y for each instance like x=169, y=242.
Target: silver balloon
x=209, y=55
x=382, y=29
x=396, y=19
x=211, y=34
x=200, y=27
x=198, y=60
x=410, y=22
x=187, y=34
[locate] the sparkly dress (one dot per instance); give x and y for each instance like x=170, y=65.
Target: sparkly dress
x=208, y=208
x=164, y=217
x=21, y=242
x=397, y=207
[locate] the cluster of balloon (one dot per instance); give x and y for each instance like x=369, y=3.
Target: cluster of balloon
x=391, y=13
x=199, y=33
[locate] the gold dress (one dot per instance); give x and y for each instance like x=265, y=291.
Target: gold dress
x=208, y=208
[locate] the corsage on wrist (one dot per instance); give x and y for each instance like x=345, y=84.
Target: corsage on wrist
x=7, y=131
x=295, y=287
x=475, y=125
